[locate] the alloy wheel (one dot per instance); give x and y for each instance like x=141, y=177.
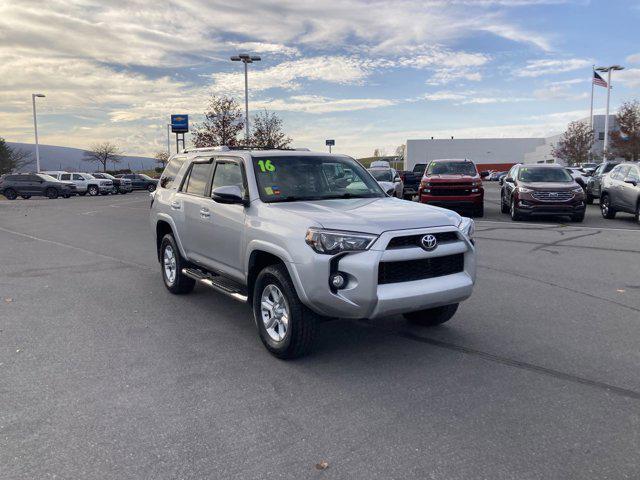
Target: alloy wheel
x=274, y=310
x=169, y=262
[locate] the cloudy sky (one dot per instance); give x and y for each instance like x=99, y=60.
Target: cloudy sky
x=367, y=73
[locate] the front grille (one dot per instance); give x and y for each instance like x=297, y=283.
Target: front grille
x=552, y=196
x=410, y=270
x=411, y=241
x=450, y=192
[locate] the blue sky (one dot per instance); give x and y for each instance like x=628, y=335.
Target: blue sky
x=369, y=74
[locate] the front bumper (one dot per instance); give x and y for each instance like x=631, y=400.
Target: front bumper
x=364, y=297
x=528, y=205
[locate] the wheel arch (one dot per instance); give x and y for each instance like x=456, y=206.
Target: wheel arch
x=164, y=225
x=261, y=255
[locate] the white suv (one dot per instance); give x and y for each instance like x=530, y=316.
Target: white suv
x=305, y=236
x=84, y=182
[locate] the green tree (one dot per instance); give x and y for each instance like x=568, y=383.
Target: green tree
x=267, y=132
x=12, y=159
x=223, y=121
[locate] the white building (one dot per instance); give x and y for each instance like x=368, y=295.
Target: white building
x=496, y=153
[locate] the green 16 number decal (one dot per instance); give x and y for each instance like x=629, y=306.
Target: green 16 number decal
x=266, y=166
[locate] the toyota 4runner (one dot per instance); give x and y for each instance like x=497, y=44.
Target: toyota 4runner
x=305, y=236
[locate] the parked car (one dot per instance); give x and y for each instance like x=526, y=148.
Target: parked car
x=140, y=181
x=578, y=175
x=594, y=184
x=495, y=176
x=27, y=185
x=454, y=184
x=84, y=182
x=389, y=180
x=530, y=190
x=621, y=191
x=270, y=229
x=411, y=180
x=589, y=167
x=120, y=185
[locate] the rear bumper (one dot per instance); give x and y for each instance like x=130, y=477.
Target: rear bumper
x=474, y=200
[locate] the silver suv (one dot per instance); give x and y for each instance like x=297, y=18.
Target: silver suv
x=305, y=236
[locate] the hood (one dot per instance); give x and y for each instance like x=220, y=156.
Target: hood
x=451, y=178
x=370, y=215
x=550, y=186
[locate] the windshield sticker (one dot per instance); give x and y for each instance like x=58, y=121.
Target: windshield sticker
x=266, y=166
x=275, y=190
x=269, y=190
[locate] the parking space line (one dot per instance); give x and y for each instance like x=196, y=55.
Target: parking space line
x=73, y=247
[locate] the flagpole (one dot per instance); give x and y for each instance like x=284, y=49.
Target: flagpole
x=593, y=72
x=606, y=118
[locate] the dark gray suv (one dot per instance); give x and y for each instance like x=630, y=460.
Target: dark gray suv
x=593, y=188
x=27, y=185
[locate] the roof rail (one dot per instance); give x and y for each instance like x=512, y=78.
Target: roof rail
x=217, y=148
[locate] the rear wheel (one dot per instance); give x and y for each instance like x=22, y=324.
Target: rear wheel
x=93, y=190
x=515, y=215
x=285, y=325
x=151, y=187
x=605, y=207
x=10, y=194
x=172, y=263
x=82, y=194
x=51, y=193
x=432, y=316
x=26, y=197
x=504, y=207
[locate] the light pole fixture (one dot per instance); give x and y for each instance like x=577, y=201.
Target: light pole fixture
x=35, y=127
x=608, y=70
x=246, y=59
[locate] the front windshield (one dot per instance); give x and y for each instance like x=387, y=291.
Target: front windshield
x=544, y=174
x=452, y=168
x=89, y=176
x=146, y=177
x=291, y=178
x=382, y=175
x=106, y=175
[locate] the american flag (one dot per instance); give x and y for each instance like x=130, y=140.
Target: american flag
x=598, y=80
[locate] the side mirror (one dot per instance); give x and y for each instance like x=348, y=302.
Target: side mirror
x=228, y=194
x=508, y=179
x=632, y=181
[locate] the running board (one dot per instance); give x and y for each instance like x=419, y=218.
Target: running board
x=218, y=283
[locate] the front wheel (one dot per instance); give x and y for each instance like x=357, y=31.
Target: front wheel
x=504, y=208
x=151, y=187
x=285, y=325
x=10, y=194
x=515, y=215
x=51, y=193
x=26, y=197
x=605, y=207
x=93, y=190
x=172, y=264
x=432, y=316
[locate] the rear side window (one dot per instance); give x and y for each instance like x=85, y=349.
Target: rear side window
x=197, y=179
x=170, y=171
x=77, y=177
x=619, y=172
x=608, y=167
x=65, y=176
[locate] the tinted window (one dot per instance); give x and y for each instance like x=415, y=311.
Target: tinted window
x=451, y=168
x=65, y=176
x=382, y=175
x=543, y=174
x=77, y=177
x=170, y=171
x=198, y=178
x=227, y=174
x=97, y=175
x=608, y=167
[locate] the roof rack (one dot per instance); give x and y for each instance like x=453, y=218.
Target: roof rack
x=225, y=148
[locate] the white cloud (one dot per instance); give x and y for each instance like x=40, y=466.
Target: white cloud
x=538, y=68
x=317, y=104
x=635, y=58
x=630, y=77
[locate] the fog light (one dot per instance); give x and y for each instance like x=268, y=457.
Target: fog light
x=337, y=280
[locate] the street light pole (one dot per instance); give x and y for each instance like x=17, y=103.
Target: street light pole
x=35, y=128
x=246, y=59
x=608, y=70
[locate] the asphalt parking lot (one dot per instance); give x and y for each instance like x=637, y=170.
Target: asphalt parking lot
x=104, y=374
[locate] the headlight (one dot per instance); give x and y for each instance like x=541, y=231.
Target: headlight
x=330, y=242
x=577, y=190
x=468, y=227
x=524, y=190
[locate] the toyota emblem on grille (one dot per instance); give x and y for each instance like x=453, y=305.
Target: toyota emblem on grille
x=429, y=242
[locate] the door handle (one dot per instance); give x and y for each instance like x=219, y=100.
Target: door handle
x=175, y=205
x=204, y=213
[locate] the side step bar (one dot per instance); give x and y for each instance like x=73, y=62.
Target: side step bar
x=218, y=283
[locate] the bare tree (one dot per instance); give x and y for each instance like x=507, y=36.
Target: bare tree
x=12, y=159
x=162, y=158
x=266, y=131
x=625, y=142
x=575, y=144
x=222, y=123
x=103, y=153
x=400, y=150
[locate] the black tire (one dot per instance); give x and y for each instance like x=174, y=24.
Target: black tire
x=513, y=211
x=432, y=316
x=180, y=284
x=578, y=218
x=302, y=323
x=93, y=190
x=26, y=197
x=104, y=193
x=478, y=212
x=51, y=193
x=504, y=208
x=151, y=187
x=82, y=194
x=606, y=209
x=10, y=194
x=66, y=195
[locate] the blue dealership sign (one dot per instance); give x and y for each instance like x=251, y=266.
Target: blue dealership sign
x=179, y=123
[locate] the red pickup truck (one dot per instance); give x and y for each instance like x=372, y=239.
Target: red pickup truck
x=453, y=184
